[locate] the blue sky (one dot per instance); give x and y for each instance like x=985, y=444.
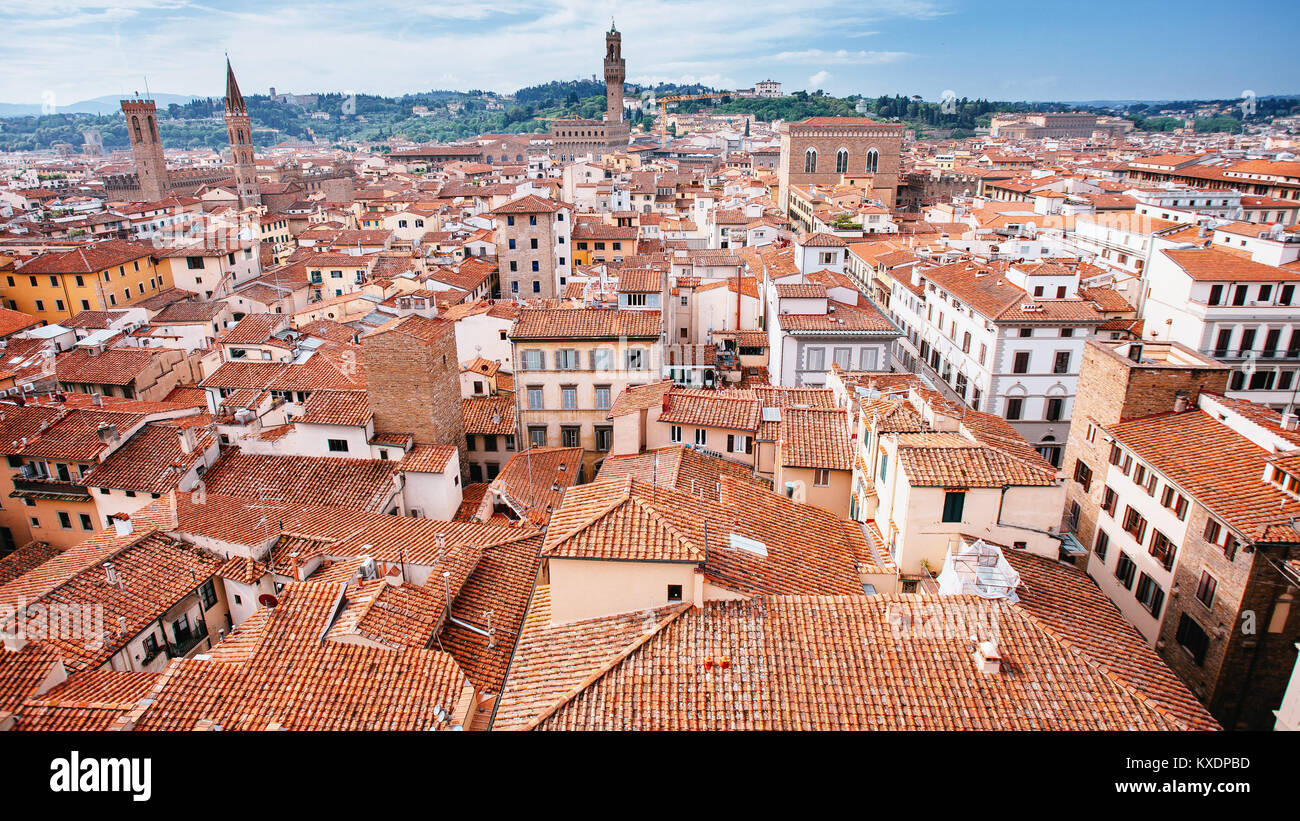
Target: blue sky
x=977, y=48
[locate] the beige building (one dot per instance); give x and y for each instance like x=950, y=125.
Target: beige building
x=570, y=365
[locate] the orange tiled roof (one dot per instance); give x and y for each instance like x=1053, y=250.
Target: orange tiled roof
x=809, y=663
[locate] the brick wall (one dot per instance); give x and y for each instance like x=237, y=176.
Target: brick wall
x=1112, y=388
x=414, y=383
x=1246, y=666
x=796, y=139
x=523, y=255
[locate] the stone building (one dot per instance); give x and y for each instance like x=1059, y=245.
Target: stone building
x=239, y=129
x=534, y=251
x=150, y=167
x=574, y=137
x=824, y=150
x=413, y=380
x=1122, y=380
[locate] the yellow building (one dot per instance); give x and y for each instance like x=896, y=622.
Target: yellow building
x=97, y=277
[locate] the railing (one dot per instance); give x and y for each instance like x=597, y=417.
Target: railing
x=178, y=649
x=24, y=484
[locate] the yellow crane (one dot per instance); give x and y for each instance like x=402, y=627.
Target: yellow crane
x=663, y=102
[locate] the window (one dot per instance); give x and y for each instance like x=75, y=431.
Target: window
x=841, y=161
x=954, y=504
x=604, y=438
x=810, y=161
x=602, y=397
x=566, y=359
x=1124, y=570
x=674, y=593
x=701, y=436
x=602, y=359
x=532, y=360
x=1134, y=524
x=570, y=436
x=1205, y=589
x=816, y=360
x=537, y=436
x=569, y=397
x=535, y=397
x=1054, y=407
x=1192, y=638
x=1015, y=406
x=675, y=434
x=86, y=522
x=338, y=445
x=1150, y=595
x=1213, y=531
x=1082, y=474
x=208, y=595
x=739, y=443
x=1026, y=333
x=873, y=161
x=1102, y=543
x=1062, y=362
x=884, y=465
x=1021, y=362
x=1162, y=549
x=637, y=359
x=821, y=476
x=65, y=520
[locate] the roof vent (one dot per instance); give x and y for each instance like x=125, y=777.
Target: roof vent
x=987, y=658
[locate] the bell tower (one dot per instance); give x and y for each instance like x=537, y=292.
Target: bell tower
x=239, y=129
x=615, y=74
x=150, y=167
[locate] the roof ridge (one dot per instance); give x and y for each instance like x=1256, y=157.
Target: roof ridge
x=605, y=668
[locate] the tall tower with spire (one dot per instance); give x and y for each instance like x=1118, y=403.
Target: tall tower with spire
x=150, y=167
x=239, y=128
x=615, y=74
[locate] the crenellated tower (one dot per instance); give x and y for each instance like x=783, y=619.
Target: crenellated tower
x=150, y=167
x=615, y=75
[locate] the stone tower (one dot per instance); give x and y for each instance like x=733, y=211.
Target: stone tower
x=150, y=167
x=239, y=128
x=615, y=74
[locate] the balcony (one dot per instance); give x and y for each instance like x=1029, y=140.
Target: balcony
x=183, y=644
x=35, y=487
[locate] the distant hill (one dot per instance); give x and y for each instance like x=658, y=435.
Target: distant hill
x=108, y=104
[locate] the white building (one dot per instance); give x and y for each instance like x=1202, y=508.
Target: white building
x=1004, y=338
x=1233, y=307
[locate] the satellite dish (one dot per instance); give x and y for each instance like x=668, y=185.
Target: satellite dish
x=267, y=600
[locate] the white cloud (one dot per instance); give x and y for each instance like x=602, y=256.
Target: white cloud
x=819, y=80
x=841, y=57
x=492, y=44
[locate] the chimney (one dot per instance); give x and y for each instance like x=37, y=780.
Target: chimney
x=107, y=433
x=987, y=658
x=187, y=439
x=122, y=523
x=1180, y=401
x=394, y=576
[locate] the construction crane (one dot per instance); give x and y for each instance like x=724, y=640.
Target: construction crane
x=676, y=98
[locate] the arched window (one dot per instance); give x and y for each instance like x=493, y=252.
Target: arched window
x=842, y=161
x=153, y=128
x=810, y=161
x=873, y=161
x=135, y=124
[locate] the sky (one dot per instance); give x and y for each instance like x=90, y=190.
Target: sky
x=62, y=51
